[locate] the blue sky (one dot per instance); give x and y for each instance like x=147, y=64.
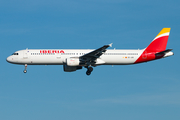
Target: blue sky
x=133, y=92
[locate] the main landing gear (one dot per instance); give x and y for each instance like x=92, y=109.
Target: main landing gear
x=25, y=70
x=89, y=70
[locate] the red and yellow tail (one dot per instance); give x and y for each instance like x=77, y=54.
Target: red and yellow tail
x=160, y=41
x=158, y=45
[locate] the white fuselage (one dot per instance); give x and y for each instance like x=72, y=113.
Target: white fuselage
x=58, y=57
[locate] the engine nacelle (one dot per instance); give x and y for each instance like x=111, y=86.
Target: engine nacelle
x=72, y=61
x=71, y=68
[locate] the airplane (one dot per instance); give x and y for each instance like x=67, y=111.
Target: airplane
x=76, y=59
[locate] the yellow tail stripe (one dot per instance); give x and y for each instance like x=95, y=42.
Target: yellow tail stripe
x=164, y=30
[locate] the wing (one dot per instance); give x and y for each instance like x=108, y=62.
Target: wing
x=90, y=58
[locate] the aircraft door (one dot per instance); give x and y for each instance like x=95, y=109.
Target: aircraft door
x=26, y=54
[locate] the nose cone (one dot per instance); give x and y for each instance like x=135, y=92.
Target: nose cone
x=9, y=59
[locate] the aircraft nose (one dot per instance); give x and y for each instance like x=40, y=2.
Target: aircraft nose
x=9, y=59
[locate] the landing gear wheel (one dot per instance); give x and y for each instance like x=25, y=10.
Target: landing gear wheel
x=90, y=69
x=25, y=71
x=88, y=73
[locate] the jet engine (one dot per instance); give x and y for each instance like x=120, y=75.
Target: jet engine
x=72, y=61
x=71, y=68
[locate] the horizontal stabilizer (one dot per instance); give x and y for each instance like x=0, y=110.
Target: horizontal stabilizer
x=163, y=52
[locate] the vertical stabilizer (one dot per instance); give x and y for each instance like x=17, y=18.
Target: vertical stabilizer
x=160, y=41
x=158, y=45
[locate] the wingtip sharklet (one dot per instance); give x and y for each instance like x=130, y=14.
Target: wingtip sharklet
x=110, y=45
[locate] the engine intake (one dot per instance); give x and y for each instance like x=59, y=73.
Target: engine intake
x=72, y=61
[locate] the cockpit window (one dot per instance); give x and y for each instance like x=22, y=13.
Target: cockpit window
x=15, y=54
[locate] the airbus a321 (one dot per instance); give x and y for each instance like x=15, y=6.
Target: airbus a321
x=75, y=59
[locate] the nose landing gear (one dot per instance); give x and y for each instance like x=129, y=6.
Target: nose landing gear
x=25, y=70
x=89, y=70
